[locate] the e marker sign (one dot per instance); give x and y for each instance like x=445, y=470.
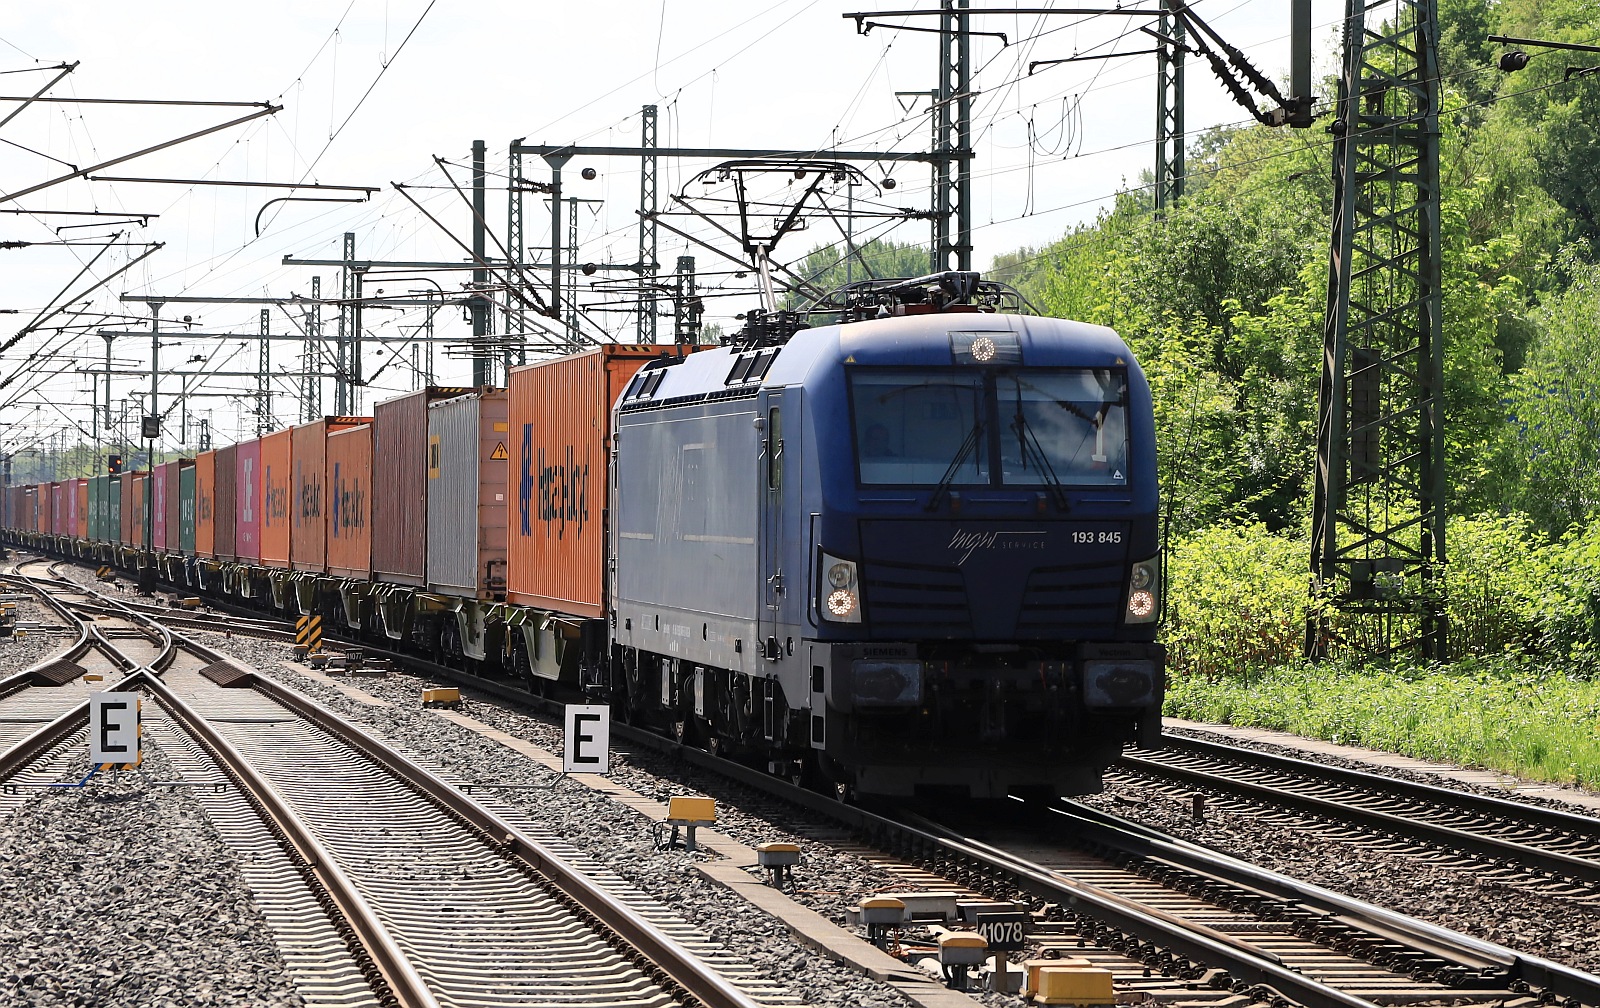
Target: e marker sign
x=588, y=745
x=114, y=729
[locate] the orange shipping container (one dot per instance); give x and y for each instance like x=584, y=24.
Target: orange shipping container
x=560, y=426
x=58, y=508
x=205, y=524
x=277, y=479
x=45, y=509
x=308, y=531
x=350, y=503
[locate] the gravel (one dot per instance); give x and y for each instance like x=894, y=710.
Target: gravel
x=1562, y=929
x=31, y=647
x=613, y=834
x=1464, y=899
x=121, y=893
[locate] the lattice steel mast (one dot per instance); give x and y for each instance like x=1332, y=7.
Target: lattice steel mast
x=648, y=206
x=1169, y=109
x=952, y=118
x=1377, y=548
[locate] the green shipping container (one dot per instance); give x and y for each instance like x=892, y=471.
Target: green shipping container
x=185, y=510
x=113, y=526
x=97, y=506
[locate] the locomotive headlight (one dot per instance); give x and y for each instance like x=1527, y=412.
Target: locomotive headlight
x=1143, y=584
x=841, y=603
x=838, y=597
x=1141, y=606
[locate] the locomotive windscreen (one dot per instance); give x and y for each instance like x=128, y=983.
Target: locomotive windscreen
x=1045, y=426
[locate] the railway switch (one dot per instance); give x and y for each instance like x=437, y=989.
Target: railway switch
x=778, y=859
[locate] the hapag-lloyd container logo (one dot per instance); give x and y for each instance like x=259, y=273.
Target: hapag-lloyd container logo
x=309, y=496
x=562, y=490
x=348, y=504
x=968, y=543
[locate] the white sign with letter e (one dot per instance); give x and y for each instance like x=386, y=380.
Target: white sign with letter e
x=588, y=748
x=114, y=728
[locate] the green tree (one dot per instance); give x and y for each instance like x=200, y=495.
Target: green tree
x=1553, y=439
x=828, y=266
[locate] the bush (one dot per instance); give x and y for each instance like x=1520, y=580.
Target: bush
x=1498, y=584
x=1236, y=600
x=1501, y=714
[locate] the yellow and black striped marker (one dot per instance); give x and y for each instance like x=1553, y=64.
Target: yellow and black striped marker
x=308, y=635
x=104, y=572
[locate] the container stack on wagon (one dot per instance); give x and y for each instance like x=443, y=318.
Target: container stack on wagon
x=349, y=511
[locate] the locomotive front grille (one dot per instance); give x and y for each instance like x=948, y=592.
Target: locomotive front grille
x=1070, y=599
x=908, y=601
x=905, y=601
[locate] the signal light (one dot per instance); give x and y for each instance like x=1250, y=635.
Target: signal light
x=113, y=464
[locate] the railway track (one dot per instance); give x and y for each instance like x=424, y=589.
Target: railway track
x=397, y=887
x=1168, y=917
x=1559, y=851
x=1172, y=920
x=44, y=708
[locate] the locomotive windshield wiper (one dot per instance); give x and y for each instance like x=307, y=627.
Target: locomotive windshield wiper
x=967, y=446
x=1029, y=443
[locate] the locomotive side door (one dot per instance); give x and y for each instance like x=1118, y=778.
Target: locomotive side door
x=779, y=476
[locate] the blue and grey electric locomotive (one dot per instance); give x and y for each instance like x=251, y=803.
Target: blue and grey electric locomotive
x=911, y=553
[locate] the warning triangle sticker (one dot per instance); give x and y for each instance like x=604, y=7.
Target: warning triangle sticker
x=1117, y=474
x=499, y=454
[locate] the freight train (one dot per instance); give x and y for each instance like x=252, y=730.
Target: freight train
x=909, y=552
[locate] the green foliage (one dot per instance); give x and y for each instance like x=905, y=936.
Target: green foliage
x=1498, y=584
x=1500, y=714
x=828, y=267
x=1553, y=440
x=1236, y=601
x=1568, y=607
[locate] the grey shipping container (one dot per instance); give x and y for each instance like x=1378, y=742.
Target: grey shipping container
x=400, y=486
x=467, y=464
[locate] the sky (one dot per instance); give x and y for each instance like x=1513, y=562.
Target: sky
x=372, y=92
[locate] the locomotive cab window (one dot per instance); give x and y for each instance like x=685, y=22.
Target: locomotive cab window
x=912, y=427
x=1008, y=427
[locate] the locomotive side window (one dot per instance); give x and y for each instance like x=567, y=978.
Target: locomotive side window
x=775, y=450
